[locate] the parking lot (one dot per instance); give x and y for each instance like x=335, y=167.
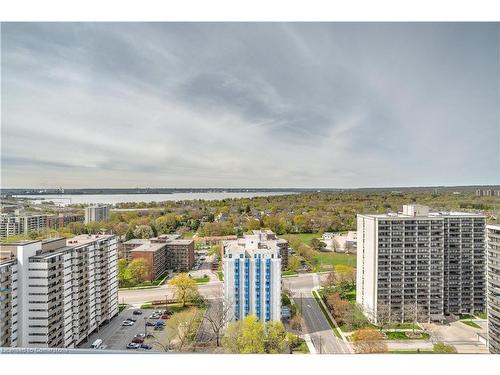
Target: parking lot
x=115, y=336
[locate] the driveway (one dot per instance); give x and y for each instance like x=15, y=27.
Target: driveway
x=463, y=337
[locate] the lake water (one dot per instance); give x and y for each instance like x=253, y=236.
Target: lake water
x=121, y=198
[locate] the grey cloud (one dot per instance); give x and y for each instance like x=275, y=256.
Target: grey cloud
x=204, y=104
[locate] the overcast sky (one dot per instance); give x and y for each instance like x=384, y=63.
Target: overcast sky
x=250, y=105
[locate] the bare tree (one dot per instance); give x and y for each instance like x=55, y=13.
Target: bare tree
x=414, y=313
x=218, y=315
x=384, y=316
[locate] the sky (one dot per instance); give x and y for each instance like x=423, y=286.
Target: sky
x=332, y=105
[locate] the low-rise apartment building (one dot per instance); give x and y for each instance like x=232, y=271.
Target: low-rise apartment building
x=431, y=261
x=493, y=297
x=63, y=219
x=65, y=290
x=162, y=253
x=12, y=224
x=155, y=255
x=252, y=278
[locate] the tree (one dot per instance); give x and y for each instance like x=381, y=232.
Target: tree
x=139, y=269
x=369, y=340
x=330, y=281
x=129, y=234
x=167, y=223
x=276, y=338
x=119, y=228
x=245, y=336
x=293, y=263
x=252, y=336
x=345, y=274
x=231, y=336
x=341, y=308
x=317, y=244
x=124, y=275
x=218, y=315
x=441, y=347
x=143, y=231
x=296, y=323
x=185, y=325
x=414, y=313
x=384, y=317
x=185, y=288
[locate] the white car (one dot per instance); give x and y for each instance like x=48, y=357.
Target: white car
x=127, y=323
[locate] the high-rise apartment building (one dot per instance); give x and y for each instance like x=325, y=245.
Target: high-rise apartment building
x=493, y=297
x=252, y=278
x=21, y=223
x=55, y=293
x=434, y=262
x=97, y=212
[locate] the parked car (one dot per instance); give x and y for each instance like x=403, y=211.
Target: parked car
x=165, y=317
x=137, y=312
x=146, y=347
x=141, y=335
x=150, y=324
x=160, y=323
x=127, y=323
x=167, y=312
x=138, y=340
x=133, y=345
x=158, y=328
x=131, y=320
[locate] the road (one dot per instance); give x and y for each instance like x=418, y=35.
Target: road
x=318, y=328
x=316, y=324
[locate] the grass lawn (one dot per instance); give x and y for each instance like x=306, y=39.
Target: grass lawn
x=331, y=259
x=466, y=316
x=481, y=315
x=402, y=336
x=470, y=323
x=200, y=280
x=188, y=235
x=308, y=237
x=121, y=307
x=288, y=273
x=220, y=275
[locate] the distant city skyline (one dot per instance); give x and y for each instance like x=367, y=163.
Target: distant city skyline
x=271, y=105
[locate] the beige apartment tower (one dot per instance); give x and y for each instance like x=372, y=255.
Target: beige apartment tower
x=431, y=261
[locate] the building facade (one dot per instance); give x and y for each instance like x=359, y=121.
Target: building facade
x=493, y=298
x=420, y=262
x=252, y=278
x=269, y=237
x=64, y=219
x=21, y=223
x=98, y=212
x=162, y=253
x=8, y=302
x=155, y=255
x=66, y=289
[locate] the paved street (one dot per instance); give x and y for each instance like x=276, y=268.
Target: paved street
x=318, y=328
